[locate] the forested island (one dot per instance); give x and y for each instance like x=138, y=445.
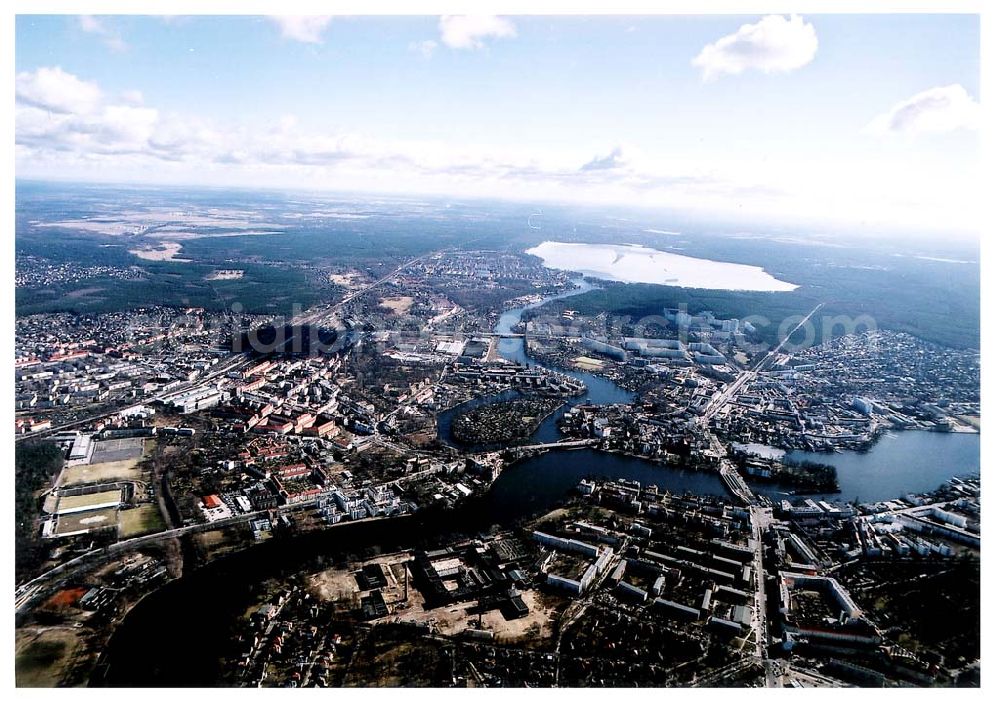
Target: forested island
x=804, y=476
x=503, y=421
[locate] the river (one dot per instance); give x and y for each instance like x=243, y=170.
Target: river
x=178, y=635
x=541, y=482
x=599, y=389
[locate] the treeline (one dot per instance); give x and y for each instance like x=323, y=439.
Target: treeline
x=262, y=290
x=35, y=464
x=947, y=320
x=805, y=476
x=809, y=476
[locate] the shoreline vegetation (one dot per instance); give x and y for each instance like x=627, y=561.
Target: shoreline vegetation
x=804, y=476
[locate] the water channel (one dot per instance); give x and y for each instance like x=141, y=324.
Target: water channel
x=178, y=635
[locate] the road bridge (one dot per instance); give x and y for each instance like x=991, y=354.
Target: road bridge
x=567, y=445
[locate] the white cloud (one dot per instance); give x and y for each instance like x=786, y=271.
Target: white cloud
x=133, y=97
x=302, y=28
x=57, y=91
x=615, y=159
x=89, y=23
x=773, y=45
x=111, y=38
x=425, y=48
x=67, y=127
x=124, y=126
x=940, y=109
x=469, y=31
x=111, y=130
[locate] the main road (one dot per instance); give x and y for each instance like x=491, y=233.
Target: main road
x=737, y=384
x=760, y=520
x=29, y=592
x=760, y=516
x=727, y=470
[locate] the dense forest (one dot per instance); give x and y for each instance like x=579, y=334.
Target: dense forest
x=34, y=465
x=933, y=313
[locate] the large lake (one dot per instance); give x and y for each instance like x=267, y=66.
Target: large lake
x=636, y=264
x=898, y=464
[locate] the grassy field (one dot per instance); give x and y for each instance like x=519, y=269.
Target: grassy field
x=124, y=470
x=84, y=501
x=140, y=520
x=42, y=656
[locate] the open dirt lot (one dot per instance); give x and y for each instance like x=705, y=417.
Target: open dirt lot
x=166, y=252
x=339, y=584
x=588, y=363
x=335, y=585
x=349, y=279
x=225, y=275
x=455, y=618
x=50, y=503
x=118, y=450
x=397, y=304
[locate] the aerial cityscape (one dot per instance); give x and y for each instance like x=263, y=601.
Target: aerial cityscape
x=479, y=351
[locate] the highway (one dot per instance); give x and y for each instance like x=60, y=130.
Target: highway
x=44, y=584
x=29, y=592
x=760, y=516
x=727, y=470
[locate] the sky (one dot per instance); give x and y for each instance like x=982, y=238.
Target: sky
x=855, y=120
